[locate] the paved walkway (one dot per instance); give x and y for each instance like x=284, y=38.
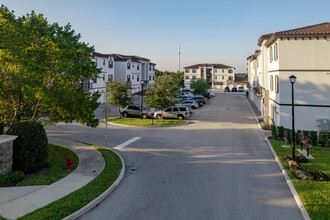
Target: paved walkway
x=19, y=201
x=258, y=115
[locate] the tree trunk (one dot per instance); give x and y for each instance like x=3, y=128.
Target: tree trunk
x=162, y=111
x=2, y=127
x=119, y=111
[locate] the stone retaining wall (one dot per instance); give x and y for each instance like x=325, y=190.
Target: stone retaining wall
x=6, y=153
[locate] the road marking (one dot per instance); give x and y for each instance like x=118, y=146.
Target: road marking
x=120, y=146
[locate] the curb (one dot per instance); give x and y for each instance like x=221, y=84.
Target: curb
x=284, y=173
x=136, y=126
x=99, y=199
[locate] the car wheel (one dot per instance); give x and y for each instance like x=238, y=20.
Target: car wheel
x=158, y=116
x=180, y=117
x=144, y=116
x=125, y=114
x=193, y=107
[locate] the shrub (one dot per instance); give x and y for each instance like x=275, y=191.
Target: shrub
x=289, y=135
x=313, y=136
x=306, y=134
x=280, y=130
x=324, y=138
x=31, y=146
x=12, y=177
x=274, y=131
x=298, y=135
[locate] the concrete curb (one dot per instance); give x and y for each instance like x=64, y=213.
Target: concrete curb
x=284, y=173
x=136, y=126
x=99, y=199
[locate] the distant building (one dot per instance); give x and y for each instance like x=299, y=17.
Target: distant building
x=217, y=75
x=132, y=69
x=305, y=53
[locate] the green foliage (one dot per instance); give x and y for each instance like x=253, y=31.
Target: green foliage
x=56, y=163
x=289, y=135
x=159, y=94
x=118, y=94
x=324, y=138
x=280, y=130
x=31, y=146
x=274, y=131
x=176, y=75
x=313, y=137
x=298, y=135
x=12, y=177
x=306, y=134
x=200, y=86
x=42, y=66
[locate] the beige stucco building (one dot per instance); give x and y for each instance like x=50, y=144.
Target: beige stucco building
x=302, y=52
x=217, y=75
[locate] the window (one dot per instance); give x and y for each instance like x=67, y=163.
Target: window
x=136, y=108
x=230, y=78
x=194, y=77
x=110, y=77
x=194, y=71
x=110, y=64
x=187, y=70
x=130, y=107
x=275, y=52
x=271, y=54
x=138, y=67
x=149, y=78
x=103, y=62
x=132, y=77
x=271, y=83
x=202, y=70
x=276, y=84
x=215, y=70
x=223, y=70
x=132, y=65
x=149, y=67
x=95, y=61
x=216, y=77
x=230, y=71
x=138, y=78
x=223, y=77
x=153, y=78
x=168, y=110
x=128, y=78
x=183, y=109
x=175, y=109
x=95, y=80
x=128, y=65
x=103, y=77
x=187, y=77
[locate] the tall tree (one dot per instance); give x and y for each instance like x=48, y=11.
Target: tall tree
x=118, y=94
x=160, y=94
x=41, y=67
x=200, y=86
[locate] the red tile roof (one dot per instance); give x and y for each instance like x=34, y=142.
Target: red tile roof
x=218, y=66
x=322, y=29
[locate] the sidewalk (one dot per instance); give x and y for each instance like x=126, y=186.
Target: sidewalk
x=19, y=201
x=258, y=115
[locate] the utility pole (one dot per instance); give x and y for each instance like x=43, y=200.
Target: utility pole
x=179, y=57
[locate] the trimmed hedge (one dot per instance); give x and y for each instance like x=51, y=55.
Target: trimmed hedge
x=12, y=177
x=31, y=146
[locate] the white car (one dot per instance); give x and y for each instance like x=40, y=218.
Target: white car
x=189, y=103
x=179, y=112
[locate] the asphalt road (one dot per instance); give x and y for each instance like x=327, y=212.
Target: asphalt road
x=218, y=167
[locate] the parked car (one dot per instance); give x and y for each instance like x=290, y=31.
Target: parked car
x=211, y=93
x=226, y=89
x=234, y=89
x=179, y=112
x=190, y=104
x=199, y=99
x=207, y=95
x=135, y=111
x=240, y=89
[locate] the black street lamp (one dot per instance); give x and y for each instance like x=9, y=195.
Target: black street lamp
x=292, y=81
x=142, y=83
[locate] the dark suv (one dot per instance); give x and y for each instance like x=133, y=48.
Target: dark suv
x=227, y=89
x=200, y=99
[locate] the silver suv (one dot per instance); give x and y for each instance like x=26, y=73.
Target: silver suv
x=190, y=104
x=135, y=111
x=179, y=112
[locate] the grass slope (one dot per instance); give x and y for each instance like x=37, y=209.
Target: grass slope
x=144, y=122
x=56, y=163
x=76, y=200
x=314, y=194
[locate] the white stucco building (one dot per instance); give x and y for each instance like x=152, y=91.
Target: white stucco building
x=217, y=75
x=302, y=52
x=131, y=69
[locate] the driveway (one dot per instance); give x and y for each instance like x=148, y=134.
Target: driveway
x=218, y=167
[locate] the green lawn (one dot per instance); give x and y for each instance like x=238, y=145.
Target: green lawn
x=56, y=163
x=145, y=122
x=76, y=200
x=314, y=194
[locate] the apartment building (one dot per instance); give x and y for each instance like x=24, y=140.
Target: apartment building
x=302, y=52
x=217, y=75
x=137, y=71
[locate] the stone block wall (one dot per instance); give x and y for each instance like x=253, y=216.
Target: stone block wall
x=6, y=153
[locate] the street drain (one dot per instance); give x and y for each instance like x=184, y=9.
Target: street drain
x=132, y=169
x=94, y=171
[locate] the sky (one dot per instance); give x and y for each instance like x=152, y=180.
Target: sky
x=208, y=31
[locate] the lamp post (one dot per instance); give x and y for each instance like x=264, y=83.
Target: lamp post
x=292, y=81
x=142, y=82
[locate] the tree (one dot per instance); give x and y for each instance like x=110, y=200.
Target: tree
x=200, y=86
x=160, y=94
x=42, y=66
x=118, y=94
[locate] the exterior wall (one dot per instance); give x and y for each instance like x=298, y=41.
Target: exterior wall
x=6, y=153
